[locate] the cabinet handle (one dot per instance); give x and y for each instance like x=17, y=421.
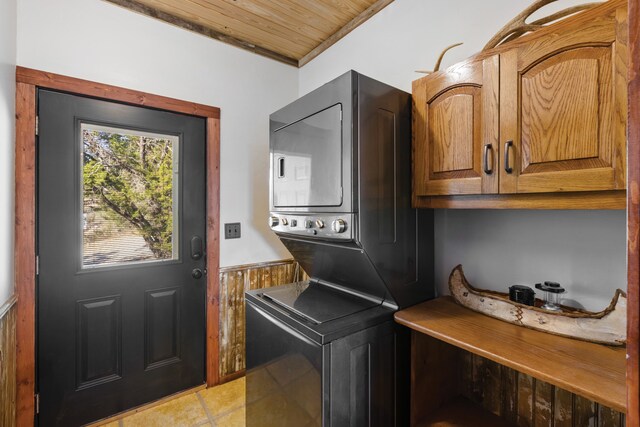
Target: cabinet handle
x=507, y=145
x=487, y=148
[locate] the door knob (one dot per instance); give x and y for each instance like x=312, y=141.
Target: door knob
x=196, y=273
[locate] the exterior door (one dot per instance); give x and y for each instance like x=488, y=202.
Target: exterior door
x=456, y=130
x=121, y=228
x=563, y=110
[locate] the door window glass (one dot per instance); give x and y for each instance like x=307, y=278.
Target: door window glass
x=129, y=196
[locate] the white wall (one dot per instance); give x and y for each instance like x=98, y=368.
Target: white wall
x=409, y=35
x=95, y=40
x=584, y=250
x=7, y=139
x=98, y=41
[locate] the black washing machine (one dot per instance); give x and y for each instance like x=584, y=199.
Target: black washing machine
x=315, y=352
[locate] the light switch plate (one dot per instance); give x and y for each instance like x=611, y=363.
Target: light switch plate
x=232, y=230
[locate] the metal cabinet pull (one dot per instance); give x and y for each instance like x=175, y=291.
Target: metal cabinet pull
x=488, y=170
x=507, y=145
x=281, y=167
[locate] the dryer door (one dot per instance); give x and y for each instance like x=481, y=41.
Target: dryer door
x=306, y=161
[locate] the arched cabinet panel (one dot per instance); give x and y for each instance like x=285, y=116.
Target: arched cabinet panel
x=458, y=117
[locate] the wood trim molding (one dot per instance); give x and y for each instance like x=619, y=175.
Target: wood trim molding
x=256, y=265
x=201, y=29
x=213, y=250
x=112, y=93
x=601, y=200
x=633, y=220
x=27, y=81
x=4, y=309
x=25, y=249
x=232, y=377
x=342, y=32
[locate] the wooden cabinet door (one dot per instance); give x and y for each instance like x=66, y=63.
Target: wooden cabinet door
x=455, y=130
x=563, y=106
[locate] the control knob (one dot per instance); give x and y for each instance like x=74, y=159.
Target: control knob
x=319, y=223
x=338, y=226
x=308, y=223
x=273, y=221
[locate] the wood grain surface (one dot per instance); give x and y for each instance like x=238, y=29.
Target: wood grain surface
x=8, y=363
x=112, y=93
x=562, y=103
x=633, y=221
x=594, y=371
x=583, y=200
x=213, y=250
x=451, y=131
x=289, y=31
x=25, y=252
x=234, y=282
x=453, y=387
x=455, y=116
x=561, y=96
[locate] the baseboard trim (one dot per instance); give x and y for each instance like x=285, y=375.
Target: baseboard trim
x=4, y=309
x=231, y=377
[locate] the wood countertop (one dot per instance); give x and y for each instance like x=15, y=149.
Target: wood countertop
x=594, y=371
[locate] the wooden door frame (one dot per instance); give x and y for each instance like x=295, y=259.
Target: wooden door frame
x=27, y=83
x=633, y=220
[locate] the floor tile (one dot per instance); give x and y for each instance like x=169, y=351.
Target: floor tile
x=233, y=419
x=289, y=368
x=276, y=411
x=225, y=397
x=306, y=391
x=182, y=412
x=261, y=383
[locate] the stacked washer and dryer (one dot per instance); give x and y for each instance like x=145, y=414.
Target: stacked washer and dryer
x=326, y=351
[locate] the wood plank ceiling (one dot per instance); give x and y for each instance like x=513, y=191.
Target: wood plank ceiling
x=290, y=31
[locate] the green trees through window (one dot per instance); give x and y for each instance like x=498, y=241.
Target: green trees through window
x=128, y=192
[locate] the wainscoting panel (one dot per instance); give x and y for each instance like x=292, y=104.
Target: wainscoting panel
x=526, y=401
x=441, y=373
x=234, y=281
x=8, y=364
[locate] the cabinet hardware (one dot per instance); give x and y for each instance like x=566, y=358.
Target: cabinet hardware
x=487, y=148
x=507, y=145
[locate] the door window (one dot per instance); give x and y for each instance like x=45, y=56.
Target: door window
x=129, y=196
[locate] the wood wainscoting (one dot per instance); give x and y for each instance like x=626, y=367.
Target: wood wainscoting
x=234, y=281
x=8, y=363
x=446, y=374
x=526, y=401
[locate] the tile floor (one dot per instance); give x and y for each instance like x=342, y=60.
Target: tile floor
x=221, y=406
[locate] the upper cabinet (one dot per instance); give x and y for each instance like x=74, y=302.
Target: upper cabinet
x=536, y=123
x=456, y=130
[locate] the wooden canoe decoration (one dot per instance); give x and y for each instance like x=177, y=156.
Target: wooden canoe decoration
x=518, y=26
x=439, y=61
x=604, y=327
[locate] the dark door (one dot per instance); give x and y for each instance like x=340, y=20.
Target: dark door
x=121, y=227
